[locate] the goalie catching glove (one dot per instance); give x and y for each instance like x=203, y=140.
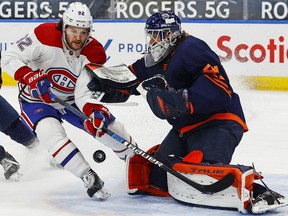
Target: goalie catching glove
x=99, y=118
x=116, y=82
x=165, y=102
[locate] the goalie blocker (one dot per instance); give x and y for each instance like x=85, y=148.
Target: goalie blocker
x=237, y=196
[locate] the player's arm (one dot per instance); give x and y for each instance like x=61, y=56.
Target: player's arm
x=208, y=89
x=15, y=59
x=207, y=93
x=89, y=102
x=203, y=96
x=15, y=62
x=165, y=102
x=210, y=92
x=82, y=93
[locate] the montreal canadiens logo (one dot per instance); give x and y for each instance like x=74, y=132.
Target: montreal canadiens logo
x=62, y=79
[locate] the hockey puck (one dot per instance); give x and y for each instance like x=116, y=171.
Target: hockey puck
x=99, y=156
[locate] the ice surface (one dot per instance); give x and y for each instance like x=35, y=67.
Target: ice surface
x=45, y=191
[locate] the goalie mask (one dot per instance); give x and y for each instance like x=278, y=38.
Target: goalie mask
x=77, y=14
x=162, y=30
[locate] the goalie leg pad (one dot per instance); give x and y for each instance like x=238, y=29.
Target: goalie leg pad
x=235, y=197
x=138, y=171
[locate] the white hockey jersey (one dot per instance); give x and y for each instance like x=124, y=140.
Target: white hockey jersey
x=44, y=49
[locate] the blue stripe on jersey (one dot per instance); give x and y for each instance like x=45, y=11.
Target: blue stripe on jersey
x=69, y=157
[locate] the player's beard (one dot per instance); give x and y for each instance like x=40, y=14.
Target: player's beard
x=76, y=44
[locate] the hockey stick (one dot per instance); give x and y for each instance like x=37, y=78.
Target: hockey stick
x=219, y=185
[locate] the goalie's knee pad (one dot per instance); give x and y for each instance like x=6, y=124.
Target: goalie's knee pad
x=138, y=171
x=235, y=196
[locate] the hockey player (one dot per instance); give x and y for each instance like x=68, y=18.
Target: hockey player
x=185, y=83
x=52, y=58
x=12, y=126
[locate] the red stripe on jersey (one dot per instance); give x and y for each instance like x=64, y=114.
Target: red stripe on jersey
x=49, y=35
x=94, y=52
x=27, y=120
x=65, y=144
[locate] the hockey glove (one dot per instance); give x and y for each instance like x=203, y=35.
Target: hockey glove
x=157, y=81
x=169, y=103
x=39, y=85
x=99, y=118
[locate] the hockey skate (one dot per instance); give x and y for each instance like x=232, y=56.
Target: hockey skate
x=267, y=201
x=94, y=185
x=11, y=167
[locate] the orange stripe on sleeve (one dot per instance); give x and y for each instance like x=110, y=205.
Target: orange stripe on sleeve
x=219, y=85
x=218, y=116
x=220, y=82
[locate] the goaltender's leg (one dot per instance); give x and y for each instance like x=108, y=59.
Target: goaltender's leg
x=216, y=142
x=172, y=145
x=243, y=195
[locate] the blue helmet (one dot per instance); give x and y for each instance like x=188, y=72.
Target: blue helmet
x=164, y=19
x=162, y=29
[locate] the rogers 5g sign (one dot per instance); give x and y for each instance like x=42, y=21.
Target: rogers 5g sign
x=185, y=9
x=31, y=9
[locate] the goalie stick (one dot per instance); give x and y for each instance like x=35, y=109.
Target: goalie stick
x=215, y=187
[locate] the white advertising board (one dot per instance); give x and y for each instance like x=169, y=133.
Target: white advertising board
x=245, y=49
